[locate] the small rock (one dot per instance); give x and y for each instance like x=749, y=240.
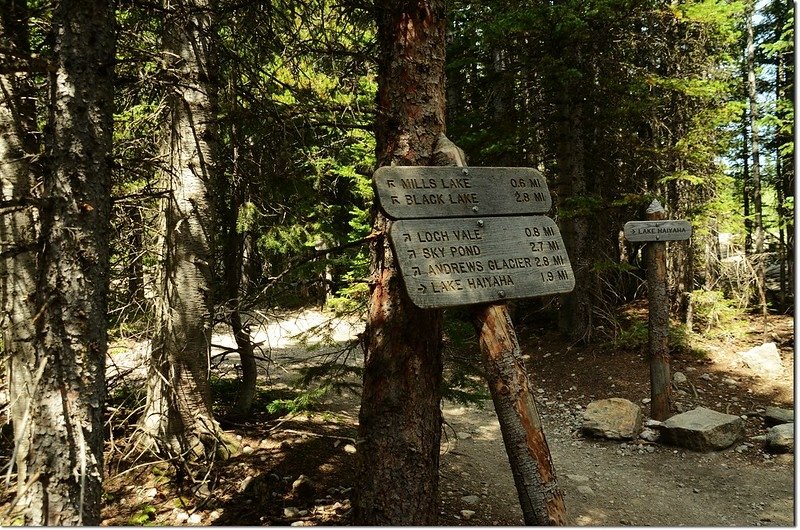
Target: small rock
x=646, y=401
x=195, y=518
x=303, y=487
x=586, y=490
x=777, y=415
x=679, y=378
x=350, y=448
x=649, y=435
x=695, y=490
x=613, y=418
x=298, y=523
x=290, y=512
x=463, y=435
x=247, y=450
x=742, y=448
x=703, y=430
x=765, y=360
x=181, y=517
x=246, y=482
x=780, y=438
x=706, y=377
x=150, y=493
x=303, y=513
x=650, y=449
x=730, y=382
x=691, y=369
x=470, y=499
x=467, y=514
x=653, y=424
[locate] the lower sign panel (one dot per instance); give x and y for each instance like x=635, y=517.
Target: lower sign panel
x=451, y=262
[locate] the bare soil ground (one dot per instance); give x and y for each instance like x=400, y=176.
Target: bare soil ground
x=605, y=483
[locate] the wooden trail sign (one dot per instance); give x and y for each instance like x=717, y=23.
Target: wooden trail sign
x=462, y=261
x=658, y=230
x=416, y=192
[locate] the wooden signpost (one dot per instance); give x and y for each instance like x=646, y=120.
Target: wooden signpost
x=655, y=231
x=466, y=236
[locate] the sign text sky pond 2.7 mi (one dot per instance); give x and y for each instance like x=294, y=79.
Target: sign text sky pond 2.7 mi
x=451, y=262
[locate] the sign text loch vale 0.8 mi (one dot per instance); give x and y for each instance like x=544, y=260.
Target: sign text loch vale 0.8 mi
x=451, y=262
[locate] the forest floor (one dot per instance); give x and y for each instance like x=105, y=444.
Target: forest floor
x=605, y=482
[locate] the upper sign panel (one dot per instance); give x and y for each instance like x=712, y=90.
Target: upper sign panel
x=415, y=192
x=666, y=230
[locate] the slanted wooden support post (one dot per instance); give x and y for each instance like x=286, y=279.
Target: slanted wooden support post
x=541, y=501
x=658, y=325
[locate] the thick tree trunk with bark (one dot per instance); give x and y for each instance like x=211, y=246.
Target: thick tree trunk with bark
x=575, y=314
x=64, y=427
x=178, y=419
x=400, y=418
x=18, y=231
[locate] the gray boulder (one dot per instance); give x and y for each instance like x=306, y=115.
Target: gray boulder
x=780, y=439
x=614, y=418
x=764, y=360
x=777, y=415
x=703, y=430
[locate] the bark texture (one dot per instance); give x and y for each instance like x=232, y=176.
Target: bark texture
x=178, y=417
x=541, y=501
x=18, y=231
x=658, y=323
x=64, y=431
x=575, y=314
x=400, y=417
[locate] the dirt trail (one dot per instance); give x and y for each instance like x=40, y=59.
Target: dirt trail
x=627, y=485
x=605, y=483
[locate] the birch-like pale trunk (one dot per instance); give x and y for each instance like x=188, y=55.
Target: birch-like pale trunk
x=178, y=418
x=18, y=231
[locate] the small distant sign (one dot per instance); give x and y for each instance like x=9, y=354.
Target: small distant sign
x=416, y=192
x=666, y=230
x=451, y=262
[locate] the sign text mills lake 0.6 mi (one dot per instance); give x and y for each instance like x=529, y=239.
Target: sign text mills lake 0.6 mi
x=414, y=192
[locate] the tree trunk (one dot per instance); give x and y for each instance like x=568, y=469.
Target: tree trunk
x=658, y=322
x=18, y=231
x=575, y=314
x=400, y=418
x=178, y=418
x=755, y=150
x=64, y=431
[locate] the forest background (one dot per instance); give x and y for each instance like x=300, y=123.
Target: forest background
x=229, y=149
